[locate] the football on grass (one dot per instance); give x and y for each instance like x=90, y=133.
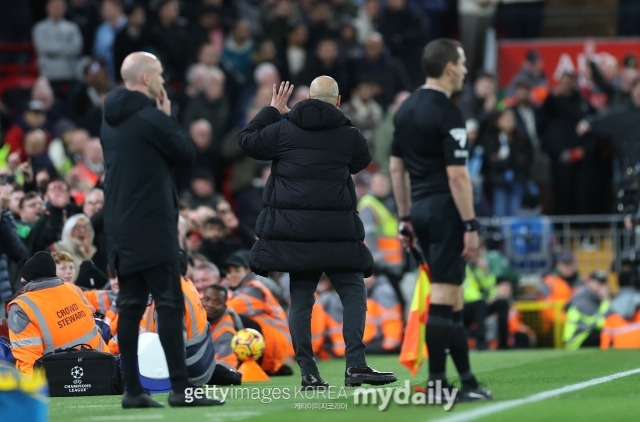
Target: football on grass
x=248, y=344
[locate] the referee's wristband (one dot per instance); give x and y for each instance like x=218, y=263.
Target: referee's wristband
x=471, y=225
x=406, y=219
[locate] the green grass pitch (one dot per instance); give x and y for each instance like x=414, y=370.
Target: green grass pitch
x=511, y=375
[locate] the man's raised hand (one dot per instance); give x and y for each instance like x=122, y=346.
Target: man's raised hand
x=281, y=96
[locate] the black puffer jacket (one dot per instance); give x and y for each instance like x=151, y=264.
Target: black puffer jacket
x=309, y=220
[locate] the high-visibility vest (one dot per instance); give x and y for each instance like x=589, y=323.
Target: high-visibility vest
x=619, y=333
x=318, y=325
x=200, y=351
x=478, y=286
x=53, y=324
x=559, y=291
x=384, y=316
x=386, y=229
x=105, y=303
x=222, y=331
x=578, y=326
x=334, y=313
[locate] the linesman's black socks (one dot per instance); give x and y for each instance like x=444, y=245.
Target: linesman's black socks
x=459, y=350
x=439, y=330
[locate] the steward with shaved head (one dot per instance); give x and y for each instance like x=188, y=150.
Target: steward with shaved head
x=309, y=223
x=141, y=144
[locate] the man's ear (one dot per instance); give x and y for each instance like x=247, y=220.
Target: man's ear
x=338, y=103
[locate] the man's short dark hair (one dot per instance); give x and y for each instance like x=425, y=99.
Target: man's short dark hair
x=437, y=54
x=27, y=196
x=221, y=289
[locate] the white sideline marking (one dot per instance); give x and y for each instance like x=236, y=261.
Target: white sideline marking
x=233, y=416
x=499, y=407
x=126, y=417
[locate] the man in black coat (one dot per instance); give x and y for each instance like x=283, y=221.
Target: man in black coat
x=309, y=223
x=141, y=143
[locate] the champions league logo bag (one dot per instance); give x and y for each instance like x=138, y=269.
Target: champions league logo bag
x=81, y=371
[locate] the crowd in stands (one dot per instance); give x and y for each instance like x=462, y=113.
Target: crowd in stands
x=537, y=147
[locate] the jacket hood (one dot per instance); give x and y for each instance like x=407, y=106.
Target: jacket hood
x=317, y=115
x=121, y=104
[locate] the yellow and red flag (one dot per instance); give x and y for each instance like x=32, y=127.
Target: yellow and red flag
x=414, y=344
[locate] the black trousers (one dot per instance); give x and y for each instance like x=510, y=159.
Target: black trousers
x=474, y=314
x=163, y=282
x=353, y=295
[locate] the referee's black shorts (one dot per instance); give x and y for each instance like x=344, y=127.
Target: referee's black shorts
x=439, y=228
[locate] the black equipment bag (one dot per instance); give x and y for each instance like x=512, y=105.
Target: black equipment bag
x=81, y=371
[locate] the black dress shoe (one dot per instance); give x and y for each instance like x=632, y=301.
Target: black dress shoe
x=180, y=400
x=284, y=371
x=139, y=401
x=358, y=375
x=314, y=382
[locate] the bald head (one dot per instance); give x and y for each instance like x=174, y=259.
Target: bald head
x=142, y=72
x=325, y=88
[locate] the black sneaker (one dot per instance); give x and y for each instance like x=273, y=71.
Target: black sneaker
x=469, y=394
x=139, y=401
x=358, y=375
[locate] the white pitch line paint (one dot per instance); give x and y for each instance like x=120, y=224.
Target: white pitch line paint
x=138, y=417
x=499, y=407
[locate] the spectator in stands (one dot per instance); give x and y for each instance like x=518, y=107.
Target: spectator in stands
x=508, y=161
x=481, y=299
x=85, y=175
x=14, y=203
x=238, y=52
x=240, y=236
x=571, y=155
x=384, y=326
x=86, y=98
x=85, y=14
x=12, y=249
x=522, y=19
x=366, y=21
x=33, y=324
x=58, y=43
x=136, y=36
x=617, y=94
x=266, y=75
x=476, y=17
x=622, y=126
x=348, y=44
x=275, y=20
x=205, y=275
x=65, y=267
x=294, y=53
x=300, y=93
x=173, y=40
x=386, y=71
x=479, y=101
x=384, y=134
x=626, y=303
x=114, y=22
x=77, y=239
x=35, y=147
x=531, y=72
x=326, y=61
x=33, y=117
x=321, y=26
x=405, y=34
x=251, y=298
x=215, y=246
x=202, y=190
x=92, y=208
x=55, y=109
x=559, y=285
x=476, y=164
x=586, y=313
x=529, y=119
x=363, y=111
x=212, y=105
x=225, y=323
x=208, y=30
x=266, y=53
x=242, y=166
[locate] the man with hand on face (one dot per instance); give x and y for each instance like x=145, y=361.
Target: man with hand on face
x=141, y=144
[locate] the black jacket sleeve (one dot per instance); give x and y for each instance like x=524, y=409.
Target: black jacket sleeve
x=600, y=81
x=361, y=155
x=11, y=243
x=168, y=137
x=259, y=138
x=46, y=231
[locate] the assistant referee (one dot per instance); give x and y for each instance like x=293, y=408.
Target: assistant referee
x=436, y=208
